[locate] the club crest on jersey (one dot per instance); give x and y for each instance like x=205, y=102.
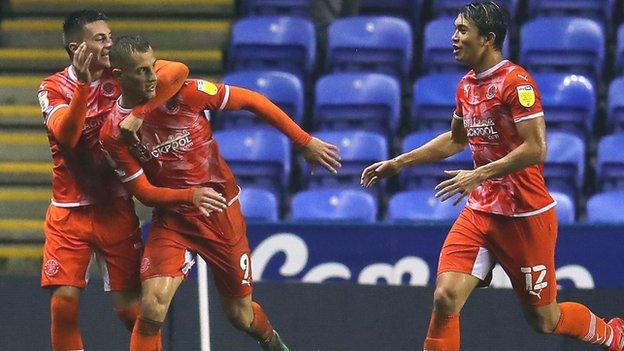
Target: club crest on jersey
x=207, y=87
x=526, y=95
x=108, y=89
x=491, y=92
x=51, y=267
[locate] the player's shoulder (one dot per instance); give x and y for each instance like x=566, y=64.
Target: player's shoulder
x=516, y=74
x=59, y=78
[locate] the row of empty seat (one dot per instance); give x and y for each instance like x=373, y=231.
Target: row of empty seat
x=384, y=44
x=415, y=205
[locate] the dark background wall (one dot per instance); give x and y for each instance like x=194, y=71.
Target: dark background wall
x=310, y=317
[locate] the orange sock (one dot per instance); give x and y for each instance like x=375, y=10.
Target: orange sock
x=129, y=315
x=146, y=335
x=579, y=322
x=64, y=327
x=443, y=334
x=261, y=328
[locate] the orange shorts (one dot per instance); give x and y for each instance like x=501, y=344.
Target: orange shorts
x=523, y=246
x=221, y=241
x=76, y=236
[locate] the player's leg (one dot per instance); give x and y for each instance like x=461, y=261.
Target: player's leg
x=464, y=263
x=119, y=245
x=529, y=262
x=66, y=257
x=164, y=264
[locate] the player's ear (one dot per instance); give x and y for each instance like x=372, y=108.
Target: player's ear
x=490, y=38
x=72, y=46
x=117, y=73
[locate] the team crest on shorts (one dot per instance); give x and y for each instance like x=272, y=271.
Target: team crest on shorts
x=51, y=267
x=145, y=264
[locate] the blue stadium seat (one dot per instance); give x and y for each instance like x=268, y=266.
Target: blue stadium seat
x=606, y=207
x=273, y=43
x=358, y=149
x=619, y=51
x=565, y=207
x=615, y=109
x=418, y=205
x=452, y=7
x=258, y=157
x=346, y=101
x=610, y=162
x=258, y=205
x=429, y=175
x=569, y=102
x=564, y=168
x=277, y=7
x=370, y=44
x=438, y=49
x=334, y=204
x=599, y=10
x=411, y=10
x=574, y=45
x=434, y=100
x=283, y=89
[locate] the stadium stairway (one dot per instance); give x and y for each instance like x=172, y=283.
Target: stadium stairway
x=190, y=31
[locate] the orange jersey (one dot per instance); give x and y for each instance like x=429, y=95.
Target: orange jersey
x=80, y=175
x=490, y=104
x=177, y=149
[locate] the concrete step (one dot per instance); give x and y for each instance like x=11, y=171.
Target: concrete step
x=19, y=230
x=127, y=8
x=48, y=61
x=24, y=146
x=20, y=90
x=162, y=34
x=25, y=173
x=24, y=202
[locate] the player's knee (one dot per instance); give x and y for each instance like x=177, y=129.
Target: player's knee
x=153, y=305
x=445, y=299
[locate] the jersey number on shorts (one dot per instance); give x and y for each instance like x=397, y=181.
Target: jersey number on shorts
x=535, y=288
x=245, y=266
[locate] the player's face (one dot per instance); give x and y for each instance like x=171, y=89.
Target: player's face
x=99, y=40
x=139, y=77
x=468, y=45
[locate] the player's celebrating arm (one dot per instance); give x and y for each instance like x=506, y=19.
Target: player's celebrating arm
x=510, y=217
x=176, y=152
x=90, y=210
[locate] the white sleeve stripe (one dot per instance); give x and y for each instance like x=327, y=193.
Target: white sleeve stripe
x=54, y=110
x=131, y=177
x=535, y=115
x=457, y=117
x=226, y=97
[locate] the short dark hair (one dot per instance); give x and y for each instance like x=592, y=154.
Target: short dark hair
x=488, y=17
x=75, y=22
x=124, y=47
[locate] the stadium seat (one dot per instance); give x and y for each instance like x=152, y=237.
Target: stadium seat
x=283, y=89
x=334, y=204
x=419, y=205
x=258, y=157
x=564, y=168
x=259, y=205
x=429, y=175
x=569, y=102
x=277, y=7
x=599, y=10
x=610, y=162
x=452, y=7
x=274, y=43
x=438, y=50
x=411, y=10
x=575, y=45
x=615, y=109
x=370, y=44
x=434, y=100
x=606, y=207
x=368, y=101
x=565, y=207
x=358, y=149
x=619, y=50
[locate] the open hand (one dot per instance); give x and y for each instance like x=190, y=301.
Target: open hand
x=81, y=62
x=379, y=170
x=318, y=152
x=129, y=127
x=463, y=183
x=208, y=200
